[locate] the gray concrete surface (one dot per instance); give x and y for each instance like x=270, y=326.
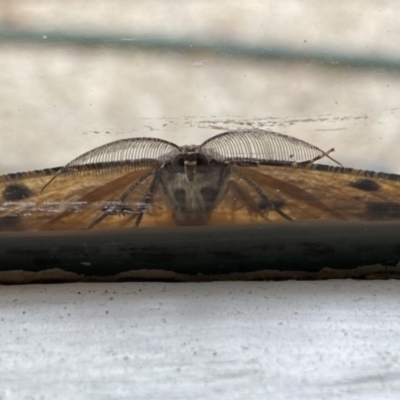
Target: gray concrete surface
x=222, y=340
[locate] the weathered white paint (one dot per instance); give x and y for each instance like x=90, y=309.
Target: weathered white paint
x=223, y=340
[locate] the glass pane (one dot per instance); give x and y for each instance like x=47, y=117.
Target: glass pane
x=73, y=80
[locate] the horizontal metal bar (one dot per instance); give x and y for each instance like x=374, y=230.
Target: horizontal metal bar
x=326, y=57
x=207, y=250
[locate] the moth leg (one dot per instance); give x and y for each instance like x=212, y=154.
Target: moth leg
x=145, y=205
x=238, y=191
x=119, y=209
x=265, y=204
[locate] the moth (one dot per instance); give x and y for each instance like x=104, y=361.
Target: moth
x=236, y=177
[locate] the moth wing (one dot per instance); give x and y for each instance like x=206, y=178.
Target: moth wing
x=240, y=203
x=70, y=202
x=24, y=207
x=290, y=193
x=157, y=212
x=328, y=193
x=103, y=208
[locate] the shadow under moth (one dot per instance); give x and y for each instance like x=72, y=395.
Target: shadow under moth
x=236, y=177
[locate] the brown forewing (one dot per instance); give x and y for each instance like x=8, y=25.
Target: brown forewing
x=293, y=193
x=321, y=192
x=70, y=202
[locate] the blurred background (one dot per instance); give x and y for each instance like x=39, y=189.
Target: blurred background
x=77, y=74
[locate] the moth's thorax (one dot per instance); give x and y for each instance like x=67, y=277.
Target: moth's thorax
x=190, y=149
x=192, y=200
x=190, y=159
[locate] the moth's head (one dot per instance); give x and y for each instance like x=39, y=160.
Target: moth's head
x=189, y=160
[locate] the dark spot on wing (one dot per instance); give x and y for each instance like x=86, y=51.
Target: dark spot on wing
x=365, y=184
x=180, y=197
x=383, y=210
x=209, y=194
x=16, y=192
